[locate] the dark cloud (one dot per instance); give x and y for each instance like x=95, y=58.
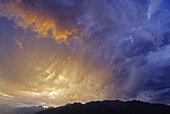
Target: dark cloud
x=122, y=44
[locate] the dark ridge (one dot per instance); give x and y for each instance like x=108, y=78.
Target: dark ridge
x=110, y=107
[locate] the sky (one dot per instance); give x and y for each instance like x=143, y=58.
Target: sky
x=63, y=51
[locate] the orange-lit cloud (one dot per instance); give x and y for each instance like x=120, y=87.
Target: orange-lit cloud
x=30, y=16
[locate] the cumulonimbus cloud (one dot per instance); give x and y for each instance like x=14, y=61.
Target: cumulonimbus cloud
x=117, y=34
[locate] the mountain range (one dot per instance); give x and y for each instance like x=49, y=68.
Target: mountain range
x=94, y=107
x=110, y=107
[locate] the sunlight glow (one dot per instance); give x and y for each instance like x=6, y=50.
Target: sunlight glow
x=53, y=93
x=48, y=77
x=35, y=93
x=61, y=77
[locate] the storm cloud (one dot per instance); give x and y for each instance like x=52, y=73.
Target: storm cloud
x=92, y=50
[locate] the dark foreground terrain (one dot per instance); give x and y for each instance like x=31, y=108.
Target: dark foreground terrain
x=110, y=107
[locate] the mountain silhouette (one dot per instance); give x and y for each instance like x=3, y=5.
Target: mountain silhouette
x=110, y=107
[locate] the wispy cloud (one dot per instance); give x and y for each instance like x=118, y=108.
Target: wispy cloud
x=18, y=43
x=153, y=7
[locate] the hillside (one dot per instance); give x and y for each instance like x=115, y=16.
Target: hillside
x=110, y=107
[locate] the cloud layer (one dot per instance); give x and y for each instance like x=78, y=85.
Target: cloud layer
x=105, y=49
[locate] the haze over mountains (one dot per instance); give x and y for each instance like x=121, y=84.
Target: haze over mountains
x=94, y=107
x=5, y=109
